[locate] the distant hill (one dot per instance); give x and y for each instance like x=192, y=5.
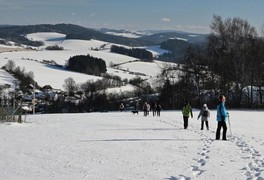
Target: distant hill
x=173, y=41
x=158, y=36
x=5, y=25
x=123, y=32
x=164, y=36
x=15, y=33
x=176, y=48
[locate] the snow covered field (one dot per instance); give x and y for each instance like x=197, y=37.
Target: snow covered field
x=122, y=145
x=49, y=75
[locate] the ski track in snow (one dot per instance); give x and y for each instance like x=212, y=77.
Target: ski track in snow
x=252, y=171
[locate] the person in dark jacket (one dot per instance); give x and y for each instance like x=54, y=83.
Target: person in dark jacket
x=121, y=107
x=158, y=109
x=221, y=117
x=145, y=108
x=204, y=114
x=154, y=108
x=186, y=112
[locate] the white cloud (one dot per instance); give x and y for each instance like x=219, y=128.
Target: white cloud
x=165, y=19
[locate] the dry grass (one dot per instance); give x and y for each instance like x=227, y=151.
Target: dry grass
x=7, y=49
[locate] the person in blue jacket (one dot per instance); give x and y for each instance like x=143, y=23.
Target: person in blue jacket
x=222, y=116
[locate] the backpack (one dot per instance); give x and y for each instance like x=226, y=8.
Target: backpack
x=205, y=113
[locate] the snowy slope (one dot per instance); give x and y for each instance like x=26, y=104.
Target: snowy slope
x=31, y=60
x=119, y=145
x=6, y=78
x=49, y=39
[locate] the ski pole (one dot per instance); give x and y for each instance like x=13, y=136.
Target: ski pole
x=229, y=124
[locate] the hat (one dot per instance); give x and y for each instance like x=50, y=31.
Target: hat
x=205, y=105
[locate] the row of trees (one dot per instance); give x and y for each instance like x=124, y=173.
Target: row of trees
x=230, y=63
x=55, y=47
x=134, y=52
x=24, y=78
x=95, y=96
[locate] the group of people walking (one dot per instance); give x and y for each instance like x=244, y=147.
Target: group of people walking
x=204, y=114
x=221, y=117
x=155, y=107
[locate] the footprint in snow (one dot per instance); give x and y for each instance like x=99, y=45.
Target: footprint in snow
x=202, y=162
x=196, y=171
x=256, y=166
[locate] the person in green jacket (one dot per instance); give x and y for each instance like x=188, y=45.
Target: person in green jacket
x=186, y=112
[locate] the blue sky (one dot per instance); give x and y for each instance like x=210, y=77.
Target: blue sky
x=183, y=15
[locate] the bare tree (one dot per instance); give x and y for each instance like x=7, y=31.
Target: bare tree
x=230, y=50
x=10, y=65
x=70, y=85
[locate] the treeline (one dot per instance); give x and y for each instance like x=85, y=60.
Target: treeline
x=86, y=64
x=230, y=63
x=133, y=52
x=17, y=34
x=54, y=48
x=24, y=78
x=93, y=95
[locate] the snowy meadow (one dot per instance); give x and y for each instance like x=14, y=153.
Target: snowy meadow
x=122, y=145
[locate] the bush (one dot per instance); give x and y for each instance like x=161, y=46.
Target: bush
x=56, y=47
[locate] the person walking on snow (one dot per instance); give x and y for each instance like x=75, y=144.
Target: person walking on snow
x=121, y=107
x=221, y=118
x=158, y=109
x=204, y=114
x=154, y=108
x=145, y=108
x=186, y=112
x=148, y=108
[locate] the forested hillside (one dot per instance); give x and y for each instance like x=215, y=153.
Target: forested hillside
x=15, y=33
